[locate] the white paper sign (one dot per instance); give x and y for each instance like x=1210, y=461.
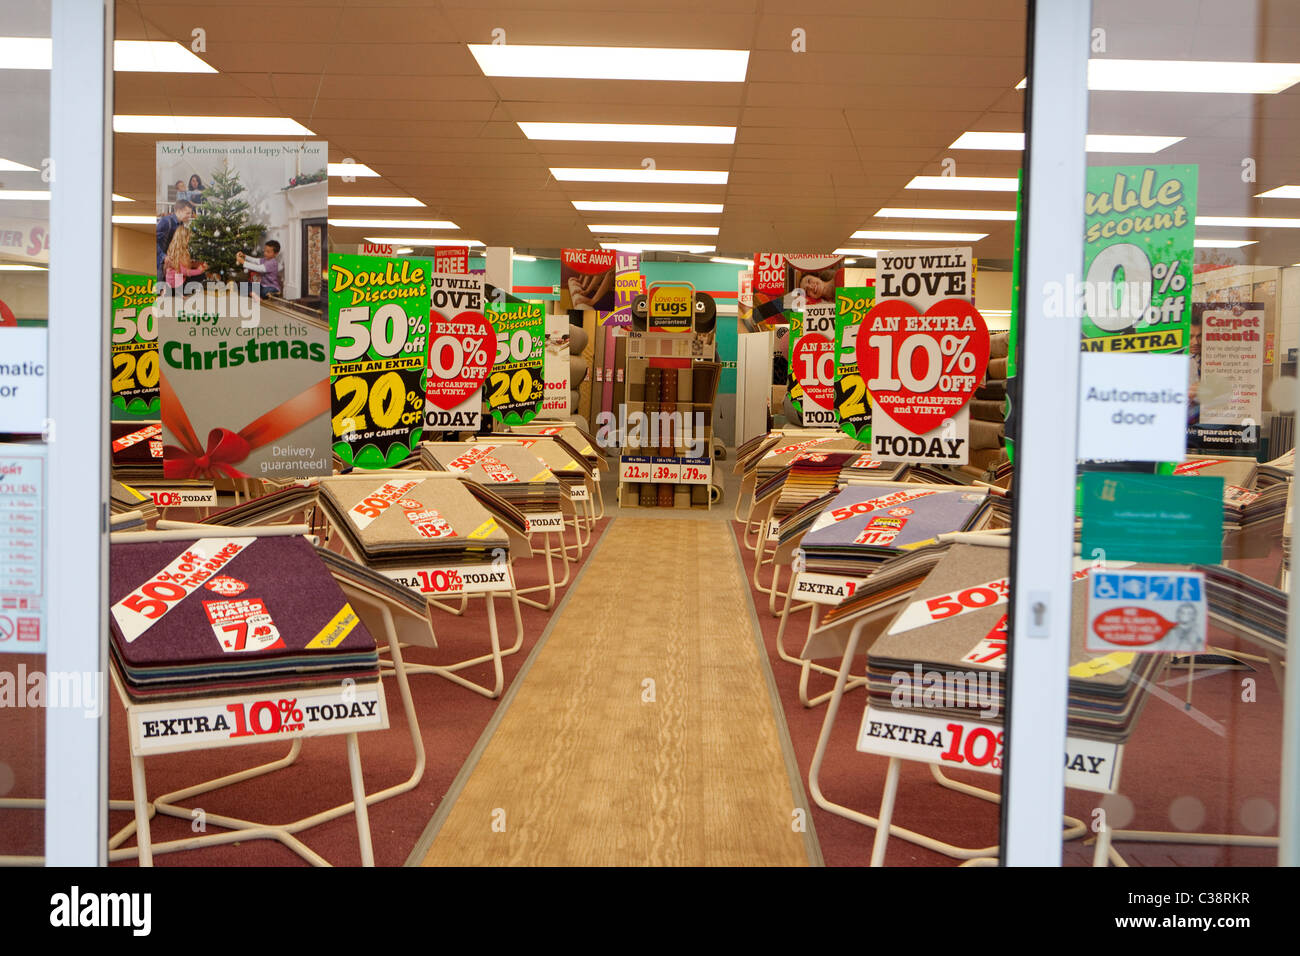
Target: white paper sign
x=22, y=380
x=974, y=745
x=1132, y=407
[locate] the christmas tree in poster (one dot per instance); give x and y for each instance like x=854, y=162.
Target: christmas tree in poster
x=222, y=226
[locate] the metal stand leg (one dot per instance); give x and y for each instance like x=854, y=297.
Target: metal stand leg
x=359, y=801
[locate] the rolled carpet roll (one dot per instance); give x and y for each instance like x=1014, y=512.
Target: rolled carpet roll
x=986, y=434
x=999, y=343
x=986, y=410
x=997, y=368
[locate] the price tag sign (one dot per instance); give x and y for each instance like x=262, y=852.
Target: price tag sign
x=634, y=468
x=379, y=340
x=135, y=348
x=516, y=384
x=850, y=399
x=694, y=472
x=666, y=471
x=462, y=346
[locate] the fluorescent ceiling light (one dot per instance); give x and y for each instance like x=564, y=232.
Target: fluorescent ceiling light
x=129, y=56
x=394, y=224
x=1191, y=76
x=135, y=220
x=1008, y=215
x=1248, y=222
x=9, y=166
x=1095, y=143
x=374, y=201
x=403, y=250
x=1281, y=192
x=996, y=313
x=11, y=267
x=421, y=241
x=972, y=183
x=701, y=177
x=519, y=258
x=1111, y=143
x=660, y=230
x=350, y=169
x=655, y=247
x=42, y=195
x=611, y=63
x=920, y=236
x=211, y=125
x=865, y=253
x=1223, y=243
x=630, y=133
x=585, y=205
x=732, y=262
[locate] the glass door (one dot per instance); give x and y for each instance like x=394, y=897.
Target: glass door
x=1152, y=611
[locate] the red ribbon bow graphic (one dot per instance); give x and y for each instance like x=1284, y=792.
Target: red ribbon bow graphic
x=226, y=449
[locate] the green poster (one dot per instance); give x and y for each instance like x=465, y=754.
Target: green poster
x=795, y=391
x=379, y=328
x=514, y=387
x=851, y=402
x=1155, y=519
x=1139, y=226
x=1013, y=329
x=135, y=349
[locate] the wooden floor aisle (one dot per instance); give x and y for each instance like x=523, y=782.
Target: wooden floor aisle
x=585, y=769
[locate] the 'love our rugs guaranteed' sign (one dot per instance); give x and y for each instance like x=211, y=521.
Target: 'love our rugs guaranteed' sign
x=379, y=331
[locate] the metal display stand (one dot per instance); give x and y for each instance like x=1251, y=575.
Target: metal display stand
x=144, y=718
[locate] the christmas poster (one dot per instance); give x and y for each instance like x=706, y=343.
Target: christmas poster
x=242, y=213
x=134, y=385
x=244, y=354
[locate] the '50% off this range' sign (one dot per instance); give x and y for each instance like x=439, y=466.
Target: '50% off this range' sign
x=379, y=327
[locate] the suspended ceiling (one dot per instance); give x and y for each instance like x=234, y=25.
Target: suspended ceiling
x=824, y=138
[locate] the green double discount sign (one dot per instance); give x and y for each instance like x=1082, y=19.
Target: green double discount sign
x=517, y=381
x=135, y=348
x=1139, y=227
x=379, y=329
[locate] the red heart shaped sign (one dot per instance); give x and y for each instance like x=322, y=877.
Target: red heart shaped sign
x=922, y=369
x=814, y=368
x=461, y=352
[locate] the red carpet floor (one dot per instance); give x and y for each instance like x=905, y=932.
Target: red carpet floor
x=451, y=721
x=1173, y=763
